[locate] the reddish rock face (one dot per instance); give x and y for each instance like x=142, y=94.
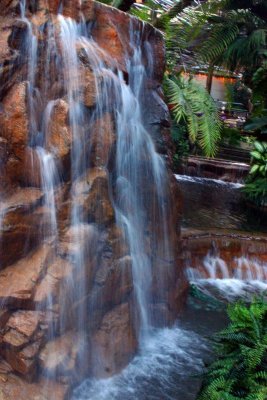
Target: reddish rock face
x=102, y=140
x=13, y=387
x=92, y=197
x=60, y=358
x=114, y=344
x=15, y=120
x=42, y=284
x=17, y=281
x=59, y=138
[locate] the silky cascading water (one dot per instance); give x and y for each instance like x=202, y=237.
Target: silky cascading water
x=88, y=222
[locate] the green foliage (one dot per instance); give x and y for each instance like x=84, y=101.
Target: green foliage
x=191, y=103
x=256, y=184
x=228, y=33
x=257, y=124
x=148, y=11
x=231, y=136
x=259, y=160
x=239, y=372
x=238, y=93
x=256, y=191
x=180, y=140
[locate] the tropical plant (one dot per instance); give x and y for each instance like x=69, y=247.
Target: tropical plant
x=180, y=141
x=256, y=183
x=190, y=103
x=228, y=32
x=240, y=368
x=257, y=124
x=256, y=191
x=231, y=136
x=259, y=160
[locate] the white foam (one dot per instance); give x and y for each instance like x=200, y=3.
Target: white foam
x=195, y=179
x=168, y=358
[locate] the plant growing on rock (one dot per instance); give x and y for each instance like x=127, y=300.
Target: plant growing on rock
x=240, y=370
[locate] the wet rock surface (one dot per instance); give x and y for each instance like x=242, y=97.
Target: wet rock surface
x=41, y=354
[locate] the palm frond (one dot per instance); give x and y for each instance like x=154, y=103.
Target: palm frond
x=190, y=101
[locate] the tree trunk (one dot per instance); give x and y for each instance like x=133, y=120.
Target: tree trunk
x=209, y=78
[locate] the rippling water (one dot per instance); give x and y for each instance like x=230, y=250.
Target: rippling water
x=171, y=361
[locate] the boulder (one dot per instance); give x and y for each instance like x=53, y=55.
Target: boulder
x=114, y=275
x=111, y=32
x=18, y=281
x=114, y=343
x=21, y=341
x=53, y=285
x=60, y=358
x=92, y=197
x=59, y=137
x=21, y=237
x=102, y=140
x=14, y=387
x=14, y=121
x=89, y=87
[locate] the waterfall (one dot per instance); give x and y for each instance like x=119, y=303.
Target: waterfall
x=134, y=145
x=95, y=232
x=243, y=277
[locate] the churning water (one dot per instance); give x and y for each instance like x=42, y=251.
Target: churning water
x=166, y=369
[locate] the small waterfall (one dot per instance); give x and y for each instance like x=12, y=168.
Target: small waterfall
x=49, y=180
x=30, y=45
x=244, y=277
x=215, y=267
x=138, y=164
x=250, y=269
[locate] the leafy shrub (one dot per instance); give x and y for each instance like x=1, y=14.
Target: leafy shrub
x=256, y=191
x=192, y=104
x=231, y=136
x=256, y=184
x=180, y=140
x=259, y=160
x=240, y=370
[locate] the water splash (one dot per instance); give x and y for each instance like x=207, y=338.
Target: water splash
x=162, y=372
x=194, y=179
x=245, y=278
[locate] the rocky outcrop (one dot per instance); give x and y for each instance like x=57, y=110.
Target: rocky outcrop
x=114, y=343
x=66, y=282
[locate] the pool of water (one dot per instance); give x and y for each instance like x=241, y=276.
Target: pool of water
x=171, y=360
x=214, y=204
x=167, y=368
